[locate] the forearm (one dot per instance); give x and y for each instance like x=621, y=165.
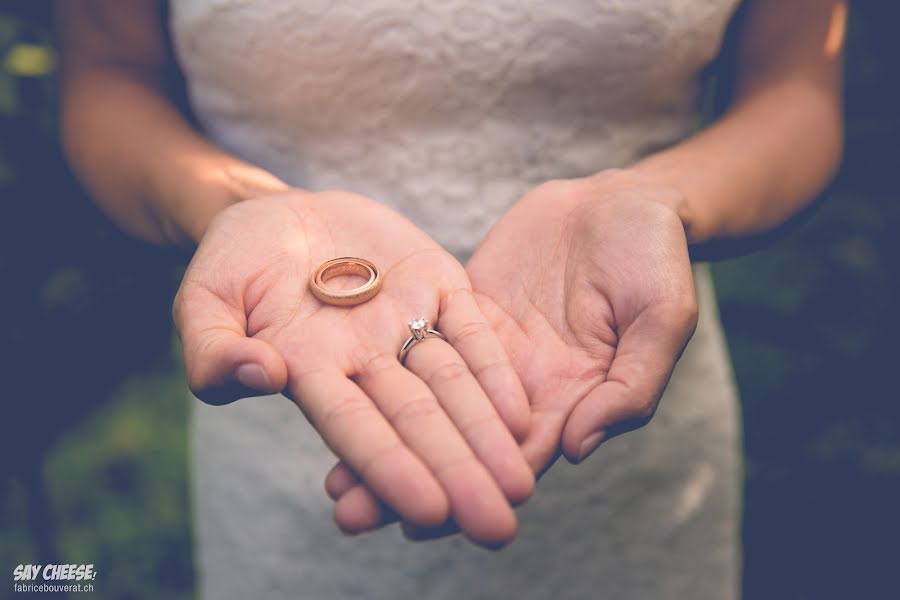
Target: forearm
x=780, y=142
x=762, y=162
x=143, y=163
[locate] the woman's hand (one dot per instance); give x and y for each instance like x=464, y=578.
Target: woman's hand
x=426, y=439
x=588, y=284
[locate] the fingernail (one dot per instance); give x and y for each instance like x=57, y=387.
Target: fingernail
x=589, y=444
x=253, y=376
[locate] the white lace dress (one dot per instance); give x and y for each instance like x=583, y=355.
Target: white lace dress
x=449, y=110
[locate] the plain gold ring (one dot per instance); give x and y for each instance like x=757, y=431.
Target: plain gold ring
x=346, y=265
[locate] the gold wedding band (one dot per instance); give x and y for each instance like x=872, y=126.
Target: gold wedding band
x=346, y=265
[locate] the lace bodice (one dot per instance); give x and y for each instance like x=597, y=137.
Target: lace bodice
x=447, y=110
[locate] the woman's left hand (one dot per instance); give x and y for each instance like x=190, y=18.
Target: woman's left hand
x=588, y=284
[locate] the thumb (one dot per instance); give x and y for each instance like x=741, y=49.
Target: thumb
x=222, y=363
x=640, y=370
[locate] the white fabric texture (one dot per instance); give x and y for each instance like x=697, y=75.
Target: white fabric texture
x=449, y=111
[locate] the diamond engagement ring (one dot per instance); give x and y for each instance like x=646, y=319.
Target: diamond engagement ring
x=420, y=332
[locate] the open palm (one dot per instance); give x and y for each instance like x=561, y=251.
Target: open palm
x=588, y=284
x=426, y=439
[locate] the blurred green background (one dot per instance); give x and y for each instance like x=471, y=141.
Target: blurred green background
x=94, y=439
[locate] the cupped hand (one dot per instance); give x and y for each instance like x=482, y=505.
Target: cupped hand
x=588, y=284
x=432, y=440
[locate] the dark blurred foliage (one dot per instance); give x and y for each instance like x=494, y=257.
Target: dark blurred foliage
x=93, y=470
x=83, y=305
x=813, y=324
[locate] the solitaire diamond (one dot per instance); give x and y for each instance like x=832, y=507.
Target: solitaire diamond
x=418, y=327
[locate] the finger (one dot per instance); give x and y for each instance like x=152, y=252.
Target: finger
x=498, y=452
x=476, y=500
x=221, y=362
x=641, y=368
x=352, y=426
x=542, y=446
x=359, y=510
x=459, y=393
x=339, y=480
x=469, y=332
x=438, y=364
x=535, y=450
x=356, y=508
x=541, y=449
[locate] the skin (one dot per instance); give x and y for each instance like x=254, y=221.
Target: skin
x=591, y=314
x=597, y=305
x=247, y=321
x=425, y=438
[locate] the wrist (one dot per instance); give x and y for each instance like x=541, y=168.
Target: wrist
x=190, y=193
x=635, y=184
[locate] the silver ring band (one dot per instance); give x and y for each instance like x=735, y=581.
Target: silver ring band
x=420, y=332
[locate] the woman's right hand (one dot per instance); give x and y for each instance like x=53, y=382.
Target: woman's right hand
x=433, y=440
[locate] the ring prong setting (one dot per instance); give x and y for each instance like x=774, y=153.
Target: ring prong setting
x=418, y=327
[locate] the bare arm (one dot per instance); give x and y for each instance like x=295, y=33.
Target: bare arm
x=244, y=312
x=780, y=141
x=598, y=305
x=143, y=163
